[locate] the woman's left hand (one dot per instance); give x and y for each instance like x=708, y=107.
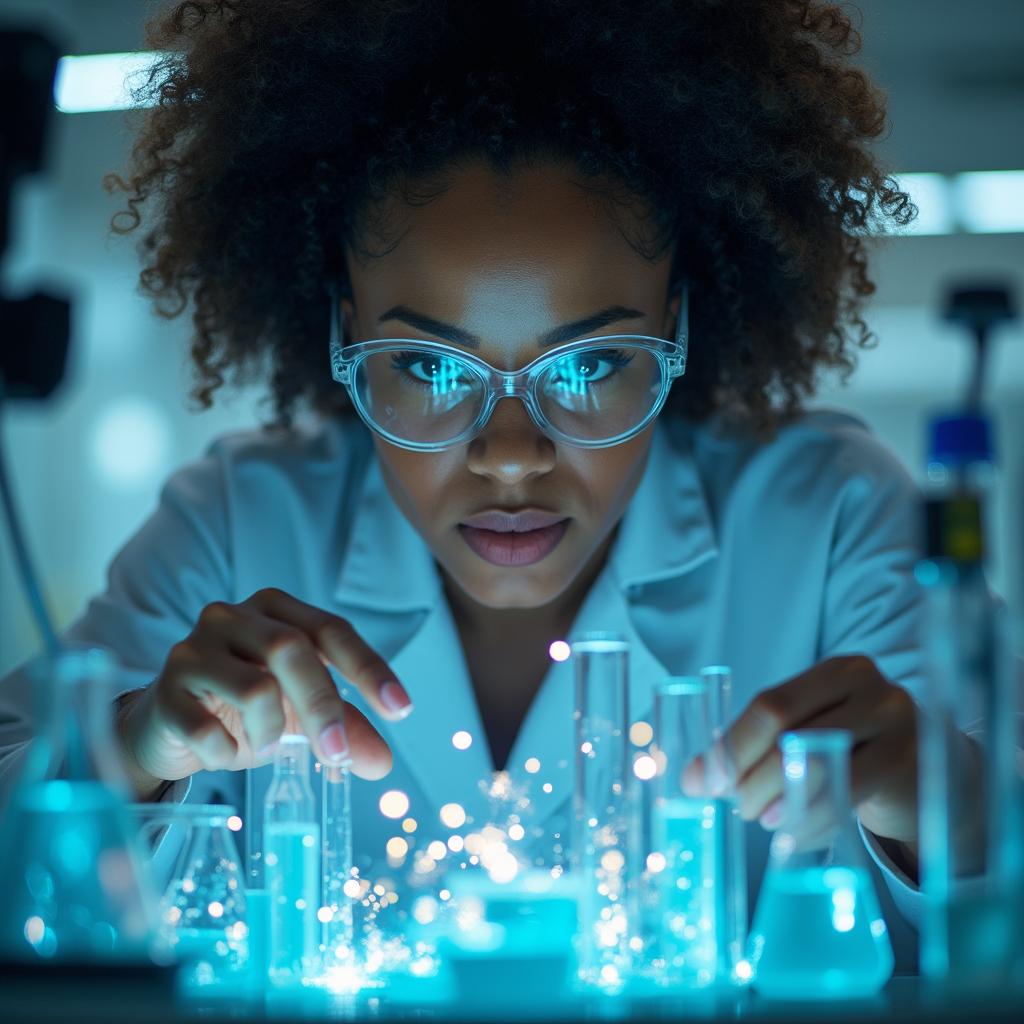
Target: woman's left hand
x=847, y=692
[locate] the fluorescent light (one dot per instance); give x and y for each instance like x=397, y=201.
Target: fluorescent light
x=973, y=202
x=99, y=81
x=930, y=193
x=989, y=201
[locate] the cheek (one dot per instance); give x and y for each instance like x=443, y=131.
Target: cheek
x=416, y=481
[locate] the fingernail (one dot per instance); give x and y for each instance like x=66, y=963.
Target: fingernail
x=267, y=750
x=334, y=743
x=772, y=814
x=394, y=697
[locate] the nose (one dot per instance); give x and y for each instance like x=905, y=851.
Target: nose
x=511, y=447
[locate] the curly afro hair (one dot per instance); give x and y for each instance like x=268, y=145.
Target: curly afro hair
x=270, y=130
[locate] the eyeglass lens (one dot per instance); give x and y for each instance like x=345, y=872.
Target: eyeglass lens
x=429, y=397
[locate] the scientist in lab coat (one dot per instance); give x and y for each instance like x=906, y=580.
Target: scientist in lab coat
x=526, y=463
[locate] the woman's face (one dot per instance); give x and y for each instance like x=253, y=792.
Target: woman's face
x=508, y=262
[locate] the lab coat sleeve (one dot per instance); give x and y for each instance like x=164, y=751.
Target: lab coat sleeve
x=157, y=584
x=873, y=603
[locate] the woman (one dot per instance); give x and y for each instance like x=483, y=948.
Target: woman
x=491, y=184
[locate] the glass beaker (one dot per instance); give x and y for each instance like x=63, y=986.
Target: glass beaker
x=291, y=864
x=818, y=931
x=203, y=909
x=76, y=885
x=606, y=820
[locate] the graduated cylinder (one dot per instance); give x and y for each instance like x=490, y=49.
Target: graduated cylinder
x=606, y=820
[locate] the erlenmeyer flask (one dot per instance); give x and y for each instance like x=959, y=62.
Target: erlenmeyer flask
x=76, y=886
x=818, y=931
x=203, y=909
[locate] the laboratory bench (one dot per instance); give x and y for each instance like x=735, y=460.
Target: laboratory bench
x=112, y=996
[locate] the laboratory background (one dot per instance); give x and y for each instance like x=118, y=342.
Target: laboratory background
x=87, y=465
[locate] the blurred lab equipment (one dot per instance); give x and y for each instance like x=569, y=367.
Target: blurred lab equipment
x=972, y=818
x=34, y=330
x=77, y=887
x=606, y=820
x=818, y=932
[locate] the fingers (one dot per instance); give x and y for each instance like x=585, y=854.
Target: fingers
x=790, y=704
x=289, y=655
x=246, y=686
x=199, y=730
x=371, y=756
x=338, y=642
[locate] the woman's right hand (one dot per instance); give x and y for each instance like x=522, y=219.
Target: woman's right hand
x=247, y=673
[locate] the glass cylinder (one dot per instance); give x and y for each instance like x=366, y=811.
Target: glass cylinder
x=697, y=859
x=605, y=819
x=291, y=835
x=337, y=867
x=818, y=931
x=731, y=893
x=76, y=883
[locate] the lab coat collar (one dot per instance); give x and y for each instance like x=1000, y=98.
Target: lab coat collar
x=665, y=532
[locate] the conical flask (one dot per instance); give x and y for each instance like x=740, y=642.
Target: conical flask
x=76, y=886
x=818, y=931
x=203, y=908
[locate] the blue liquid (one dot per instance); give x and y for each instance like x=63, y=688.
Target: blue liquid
x=292, y=869
x=686, y=832
x=72, y=887
x=818, y=932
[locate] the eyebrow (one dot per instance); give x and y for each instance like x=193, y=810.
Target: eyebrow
x=567, y=332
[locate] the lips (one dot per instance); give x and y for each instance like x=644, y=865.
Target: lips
x=507, y=521
x=514, y=547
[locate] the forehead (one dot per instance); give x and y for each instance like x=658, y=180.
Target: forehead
x=538, y=243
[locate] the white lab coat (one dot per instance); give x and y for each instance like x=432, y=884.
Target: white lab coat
x=766, y=557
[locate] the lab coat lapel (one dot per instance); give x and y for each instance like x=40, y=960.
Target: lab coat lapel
x=433, y=669
x=389, y=586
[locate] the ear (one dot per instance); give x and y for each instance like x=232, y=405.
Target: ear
x=672, y=316
x=349, y=324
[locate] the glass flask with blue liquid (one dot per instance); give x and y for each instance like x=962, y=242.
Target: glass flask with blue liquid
x=203, y=908
x=818, y=931
x=291, y=859
x=75, y=882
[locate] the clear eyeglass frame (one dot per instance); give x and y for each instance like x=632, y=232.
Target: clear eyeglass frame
x=522, y=384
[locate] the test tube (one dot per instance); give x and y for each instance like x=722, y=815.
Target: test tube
x=336, y=913
x=686, y=835
x=291, y=833
x=605, y=819
x=732, y=890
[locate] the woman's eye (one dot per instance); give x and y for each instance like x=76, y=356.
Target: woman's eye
x=426, y=368
x=591, y=367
